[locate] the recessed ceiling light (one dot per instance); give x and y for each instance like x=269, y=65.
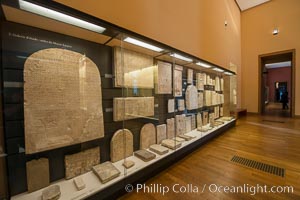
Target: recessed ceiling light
x=203, y=65
x=52, y=14
x=228, y=73
x=175, y=55
x=142, y=44
x=218, y=69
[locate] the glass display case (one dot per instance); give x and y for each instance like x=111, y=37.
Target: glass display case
x=89, y=107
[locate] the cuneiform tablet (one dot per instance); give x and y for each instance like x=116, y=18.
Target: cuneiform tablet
x=106, y=171
x=171, y=105
x=161, y=133
x=147, y=136
x=78, y=181
x=144, y=155
x=159, y=149
x=37, y=174
x=171, y=144
x=51, y=193
x=163, y=78
x=128, y=164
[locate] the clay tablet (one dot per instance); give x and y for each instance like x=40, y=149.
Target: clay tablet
x=171, y=144
x=106, y=171
x=217, y=84
x=82, y=162
x=199, y=120
x=133, y=107
x=171, y=105
x=147, y=136
x=121, y=145
x=193, y=122
x=161, y=133
x=163, y=77
x=133, y=69
x=190, y=76
x=62, y=100
x=200, y=81
x=181, y=106
x=170, y=128
x=161, y=150
x=188, y=124
x=177, y=81
x=78, y=181
x=37, y=174
x=180, y=124
x=200, y=99
x=185, y=137
x=144, y=155
x=191, y=97
x=128, y=164
x=51, y=193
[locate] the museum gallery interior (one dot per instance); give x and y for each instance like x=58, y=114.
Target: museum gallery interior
x=156, y=99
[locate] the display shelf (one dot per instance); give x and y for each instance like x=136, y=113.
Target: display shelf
x=93, y=184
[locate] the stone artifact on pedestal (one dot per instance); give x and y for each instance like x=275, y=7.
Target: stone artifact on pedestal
x=170, y=128
x=37, y=174
x=179, y=139
x=185, y=137
x=128, y=164
x=144, y=155
x=191, y=97
x=78, y=181
x=161, y=133
x=133, y=69
x=82, y=162
x=147, y=136
x=171, y=144
x=51, y=193
x=132, y=107
x=163, y=78
x=106, y=171
x=159, y=149
x=121, y=145
x=62, y=100
x=177, y=81
x=180, y=124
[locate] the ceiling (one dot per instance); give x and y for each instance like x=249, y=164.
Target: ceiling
x=247, y=4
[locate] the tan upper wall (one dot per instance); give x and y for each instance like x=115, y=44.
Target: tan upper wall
x=257, y=39
x=194, y=26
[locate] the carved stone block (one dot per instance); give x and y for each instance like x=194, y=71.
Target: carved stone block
x=185, y=137
x=191, y=97
x=51, y=193
x=179, y=139
x=205, y=118
x=177, y=81
x=133, y=107
x=201, y=77
x=133, y=69
x=221, y=111
x=188, y=124
x=212, y=119
x=161, y=133
x=81, y=162
x=181, y=106
x=170, y=128
x=217, y=85
x=171, y=144
x=222, y=84
x=37, y=174
x=207, y=95
x=144, y=155
x=128, y=164
x=106, y=171
x=78, y=182
x=180, y=124
x=163, y=78
x=193, y=121
x=200, y=100
x=62, y=100
x=171, y=105
x=199, y=120
x=147, y=136
x=189, y=76
x=161, y=150
x=121, y=145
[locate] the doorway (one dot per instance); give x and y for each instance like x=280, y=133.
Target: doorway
x=276, y=81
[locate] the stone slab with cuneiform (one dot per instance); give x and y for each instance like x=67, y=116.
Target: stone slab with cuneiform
x=180, y=124
x=132, y=108
x=171, y=144
x=204, y=118
x=185, y=137
x=161, y=133
x=144, y=155
x=161, y=150
x=199, y=120
x=200, y=99
x=170, y=128
x=181, y=106
x=81, y=162
x=201, y=79
x=106, y=171
x=79, y=183
x=177, y=81
x=189, y=76
x=171, y=105
x=128, y=164
x=188, y=124
x=121, y=145
x=191, y=97
x=193, y=121
x=51, y=193
x=147, y=136
x=62, y=100
x=37, y=174
x=163, y=78
x=133, y=69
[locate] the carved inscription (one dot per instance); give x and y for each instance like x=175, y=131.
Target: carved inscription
x=147, y=136
x=163, y=78
x=191, y=97
x=121, y=145
x=177, y=81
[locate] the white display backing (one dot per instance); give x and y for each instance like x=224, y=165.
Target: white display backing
x=93, y=184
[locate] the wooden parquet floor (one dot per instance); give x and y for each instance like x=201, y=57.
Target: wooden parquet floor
x=271, y=140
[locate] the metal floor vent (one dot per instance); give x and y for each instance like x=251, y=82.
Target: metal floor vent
x=259, y=166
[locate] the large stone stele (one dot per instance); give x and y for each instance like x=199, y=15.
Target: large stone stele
x=121, y=145
x=37, y=174
x=62, y=100
x=163, y=78
x=177, y=81
x=82, y=162
x=106, y=171
x=191, y=97
x=161, y=133
x=170, y=128
x=147, y=136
